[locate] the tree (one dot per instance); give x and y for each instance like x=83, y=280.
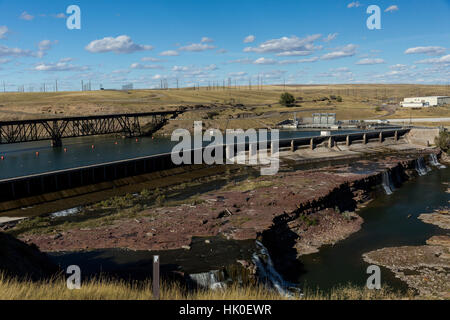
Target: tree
x=287, y=99
x=443, y=141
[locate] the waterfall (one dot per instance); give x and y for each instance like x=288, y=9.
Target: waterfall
x=435, y=162
x=421, y=168
x=267, y=273
x=208, y=279
x=387, y=183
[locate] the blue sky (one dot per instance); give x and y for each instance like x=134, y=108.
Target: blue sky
x=202, y=41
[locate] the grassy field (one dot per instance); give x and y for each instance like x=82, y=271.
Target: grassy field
x=235, y=107
x=104, y=289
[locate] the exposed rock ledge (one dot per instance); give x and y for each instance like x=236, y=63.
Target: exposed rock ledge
x=424, y=268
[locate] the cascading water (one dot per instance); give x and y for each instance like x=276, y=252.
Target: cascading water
x=267, y=273
x=208, y=279
x=435, y=162
x=421, y=168
x=387, y=183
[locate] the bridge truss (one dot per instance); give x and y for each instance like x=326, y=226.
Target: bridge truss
x=55, y=129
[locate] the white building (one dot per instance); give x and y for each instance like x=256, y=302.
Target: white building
x=420, y=102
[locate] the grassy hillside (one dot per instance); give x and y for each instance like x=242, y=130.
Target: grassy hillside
x=236, y=107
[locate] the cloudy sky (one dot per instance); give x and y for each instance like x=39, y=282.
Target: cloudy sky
x=206, y=41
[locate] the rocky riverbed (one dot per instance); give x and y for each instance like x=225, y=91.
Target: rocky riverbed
x=317, y=206
x=425, y=268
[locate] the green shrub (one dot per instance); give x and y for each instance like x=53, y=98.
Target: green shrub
x=443, y=141
x=287, y=99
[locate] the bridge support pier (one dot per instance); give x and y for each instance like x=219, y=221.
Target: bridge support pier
x=396, y=135
x=348, y=141
x=364, y=138
x=292, y=146
x=380, y=137
x=311, y=144
x=56, y=142
x=330, y=142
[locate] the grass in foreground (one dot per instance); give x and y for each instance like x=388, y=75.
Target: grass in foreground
x=104, y=289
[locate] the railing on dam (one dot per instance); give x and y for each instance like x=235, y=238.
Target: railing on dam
x=38, y=184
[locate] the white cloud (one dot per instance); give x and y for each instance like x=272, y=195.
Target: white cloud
x=44, y=46
x=59, y=16
x=121, y=71
x=142, y=66
x=221, y=51
x=15, y=52
x=180, y=68
x=26, y=16
x=237, y=74
x=121, y=44
x=370, y=61
x=151, y=59
x=243, y=61
x=295, y=53
x=194, y=70
x=249, y=39
x=330, y=37
x=398, y=66
x=59, y=66
x=197, y=47
x=441, y=60
x=273, y=74
x=286, y=44
x=342, y=52
x=313, y=59
x=265, y=61
x=354, y=4
x=391, y=8
x=157, y=77
x=3, y=32
x=211, y=67
x=169, y=53
x=431, y=50
x=206, y=40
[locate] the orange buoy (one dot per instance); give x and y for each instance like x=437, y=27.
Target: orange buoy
x=115, y=143
x=37, y=153
x=137, y=140
x=2, y=158
x=92, y=146
x=153, y=137
x=65, y=149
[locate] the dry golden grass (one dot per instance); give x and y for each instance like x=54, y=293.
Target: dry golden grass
x=104, y=289
x=359, y=102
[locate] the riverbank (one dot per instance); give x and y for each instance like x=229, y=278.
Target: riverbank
x=317, y=205
x=425, y=268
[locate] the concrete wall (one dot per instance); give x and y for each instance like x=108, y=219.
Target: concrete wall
x=422, y=137
x=70, y=179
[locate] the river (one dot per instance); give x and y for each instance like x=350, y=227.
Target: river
x=389, y=221
x=21, y=159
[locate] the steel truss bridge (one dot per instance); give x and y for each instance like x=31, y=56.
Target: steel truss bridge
x=55, y=129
